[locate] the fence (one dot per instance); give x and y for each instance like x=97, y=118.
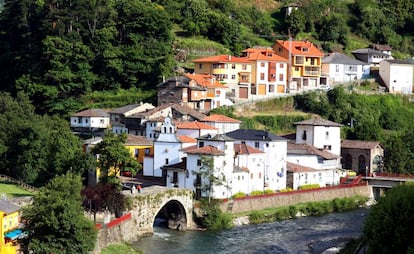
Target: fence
x=5, y=178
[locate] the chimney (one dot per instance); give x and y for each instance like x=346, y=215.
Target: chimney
x=229, y=57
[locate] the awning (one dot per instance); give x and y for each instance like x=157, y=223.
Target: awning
x=14, y=234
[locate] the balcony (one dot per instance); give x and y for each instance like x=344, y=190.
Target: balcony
x=312, y=71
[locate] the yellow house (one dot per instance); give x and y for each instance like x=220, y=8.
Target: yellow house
x=139, y=147
x=234, y=72
x=306, y=63
x=9, y=227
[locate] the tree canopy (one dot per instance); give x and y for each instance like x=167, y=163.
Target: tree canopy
x=389, y=225
x=55, y=222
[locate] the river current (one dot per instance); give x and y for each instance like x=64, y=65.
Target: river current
x=315, y=235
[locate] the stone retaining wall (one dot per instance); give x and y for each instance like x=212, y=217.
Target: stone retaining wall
x=252, y=203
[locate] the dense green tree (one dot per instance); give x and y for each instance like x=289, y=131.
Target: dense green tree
x=389, y=227
x=113, y=156
x=55, y=221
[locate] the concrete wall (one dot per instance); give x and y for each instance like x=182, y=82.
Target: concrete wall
x=295, y=197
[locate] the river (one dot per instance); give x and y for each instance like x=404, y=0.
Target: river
x=313, y=235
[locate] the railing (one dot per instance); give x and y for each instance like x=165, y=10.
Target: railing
x=115, y=222
x=6, y=178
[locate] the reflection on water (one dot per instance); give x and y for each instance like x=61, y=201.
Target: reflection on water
x=315, y=235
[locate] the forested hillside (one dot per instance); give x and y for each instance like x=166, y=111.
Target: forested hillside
x=60, y=51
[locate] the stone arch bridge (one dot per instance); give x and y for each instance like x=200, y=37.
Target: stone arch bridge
x=173, y=205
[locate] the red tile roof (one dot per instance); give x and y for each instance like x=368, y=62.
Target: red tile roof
x=306, y=149
x=263, y=54
x=205, y=80
x=137, y=140
x=359, y=144
x=245, y=149
x=296, y=168
x=220, y=119
x=195, y=126
x=221, y=59
x=205, y=150
x=187, y=139
x=303, y=48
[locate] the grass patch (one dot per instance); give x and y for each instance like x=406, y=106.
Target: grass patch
x=13, y=190
x=120, y=249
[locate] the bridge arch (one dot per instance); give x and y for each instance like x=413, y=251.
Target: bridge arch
x=172, y=204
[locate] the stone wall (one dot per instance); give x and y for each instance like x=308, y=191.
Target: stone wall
x=247, y=204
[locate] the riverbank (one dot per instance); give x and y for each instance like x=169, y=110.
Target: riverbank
x=299, y=210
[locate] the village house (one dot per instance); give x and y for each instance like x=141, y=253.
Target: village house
x=341, y=68
x=195, y=129
x=397, y=76
x=269, y=72
x=363, y=157
x=90, y=121
x=198, y=91
x=306, y=63
x=10, y=230
x=298, y=175
x=223, y=123
x=371, y=56
x=234, y=72
x=275, y=151
x=118, y=115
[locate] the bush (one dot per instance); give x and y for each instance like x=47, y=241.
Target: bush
x=214, y=218
x=268, y=192
x=239, y=195
x=256, y=193
x=309, y=186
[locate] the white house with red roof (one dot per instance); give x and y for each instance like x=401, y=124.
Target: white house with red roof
x=299, y=175
x=91, y=119
x=275, y=152
x=249, y=169
x=320, y=133
x=195, y=129
x=223, y=123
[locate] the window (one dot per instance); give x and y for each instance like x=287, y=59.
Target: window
x=147, y=151
x=281, y=66
x=304, y=135
x=200, y=66
x=136, y=152
x=260, y=175
x=262, y=76
x=233, y=76
x=271, y=88
x=102, y=121
x=312, y=61
x=262, y=64
x=305, y=49
x=296, y=68
x=201, y=144
x=327, y=135
x=267, y=144
x=243, y=142
x=86, y=120
x=175, y=177
x=199, y=162
x=244, y=67
x=233, y=66
x=327, y=147
x=279, y=49
x=281, y=77
x=256, y=144
x=166, y=161
x=337, y=68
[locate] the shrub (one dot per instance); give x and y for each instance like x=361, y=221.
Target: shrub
x=293, y=210
x=309, y=186
x=214, y=218
x=256, y=193
x=239, y=195
x=268, y=192
x=286, y=190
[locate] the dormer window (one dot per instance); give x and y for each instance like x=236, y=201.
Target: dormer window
x=201, y=144
x=305, y=49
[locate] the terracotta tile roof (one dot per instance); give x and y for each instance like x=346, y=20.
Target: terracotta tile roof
x=317, y=121
x=195, y=126
x=245, y=149
x=222, y=59
x=93, y=113
x=205, y=150
x=302, y=48
x=359, y=144
x=137, y=140
x=220, y=119
x=187, y=139
x=205, y=80
x=306, y=149
x=296, y=168
x=264, y=54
